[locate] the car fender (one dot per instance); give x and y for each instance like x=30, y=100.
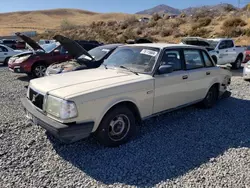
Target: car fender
x=110, y=105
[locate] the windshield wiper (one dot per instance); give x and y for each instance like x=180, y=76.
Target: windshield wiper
x=129, y=69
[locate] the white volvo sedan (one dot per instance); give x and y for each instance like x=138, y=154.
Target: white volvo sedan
x=135, y=83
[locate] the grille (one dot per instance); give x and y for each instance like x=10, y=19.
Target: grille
x=36, y=98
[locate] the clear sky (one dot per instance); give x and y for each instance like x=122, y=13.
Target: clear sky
x=127, y=6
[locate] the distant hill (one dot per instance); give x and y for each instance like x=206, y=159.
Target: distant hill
x=43, y=20
x=160, y=9
x=191, y=10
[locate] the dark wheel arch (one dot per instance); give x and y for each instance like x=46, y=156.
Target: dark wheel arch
x=6, y=60
x=131, y=106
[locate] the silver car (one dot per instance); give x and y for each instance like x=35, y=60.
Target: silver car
x=246, y=71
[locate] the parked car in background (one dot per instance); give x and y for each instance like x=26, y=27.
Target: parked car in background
x=20, y=45
x=247, y=58
x=88, y=44
x=83, y=59
x=43, y=41
x=9, y=42
x=136, y=82
x=222, y=50
x=6, y=53
x=35, y=63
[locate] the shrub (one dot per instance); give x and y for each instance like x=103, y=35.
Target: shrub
x=177, y=22
x=247, y=32
x=234, y=22
x=199, y=32
x=166, y=32
x=67, y=25
x=203, y=22
x=233, y=32
x=156, y=17
x=229, y=8
x=152, y=23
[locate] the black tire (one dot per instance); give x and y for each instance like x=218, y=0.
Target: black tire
x=6, y=61
x=122, y=129
x=38, y=70
x=215, y=59
x=237, y=63
x=211, y=98
x=30, y=75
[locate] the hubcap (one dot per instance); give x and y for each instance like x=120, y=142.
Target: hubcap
x=119, y=127
x=40, y=71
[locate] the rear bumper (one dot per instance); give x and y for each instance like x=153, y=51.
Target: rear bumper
x=66, y=133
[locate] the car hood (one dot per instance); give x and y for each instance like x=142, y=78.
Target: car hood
x=22, y=54
x=72, y=47
x=35, y=46
x=59, y=67
x=84, y=82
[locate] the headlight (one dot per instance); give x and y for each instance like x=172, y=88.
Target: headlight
x=61, y=108
x=22, y=59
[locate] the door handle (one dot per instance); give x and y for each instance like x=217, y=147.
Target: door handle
x=185, y=77
x=208, y=73
x=226, y=50
x=5, y=53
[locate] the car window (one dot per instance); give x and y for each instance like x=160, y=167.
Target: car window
x=62, y=50
x=172, y=57
x=223, y=45
x=207, y=60
x=137, y=58
x=3, y=49
x=229, y=44
x=248, y=48
x=193, y=59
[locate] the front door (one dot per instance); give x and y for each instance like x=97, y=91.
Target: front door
x=171, y=89
x=3, y=53
x=224, y=54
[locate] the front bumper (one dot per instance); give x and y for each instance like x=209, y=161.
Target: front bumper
x=66, y=133
x=17, y=69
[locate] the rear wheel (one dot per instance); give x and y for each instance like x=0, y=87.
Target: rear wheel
x=237, y=63
x=211, y=98
x=117, y=127
x=39, y=70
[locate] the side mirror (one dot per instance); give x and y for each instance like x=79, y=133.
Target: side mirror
x=165, y=69
x=56, y=52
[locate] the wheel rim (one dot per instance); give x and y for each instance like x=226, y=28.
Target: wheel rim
x=119, y=127
x=40, y=71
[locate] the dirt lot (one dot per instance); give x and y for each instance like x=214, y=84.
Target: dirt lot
x=187, y=148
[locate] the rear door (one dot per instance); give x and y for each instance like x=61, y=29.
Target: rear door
x=223, y=53
x=199, y=76
x=171, y=89
x=231, y=51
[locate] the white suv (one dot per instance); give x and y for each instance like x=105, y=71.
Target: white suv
x=135, y=83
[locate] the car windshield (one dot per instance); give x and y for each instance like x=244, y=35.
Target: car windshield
x=213, y=43
x=97, y=53
x=49, y=47
x=135, y=58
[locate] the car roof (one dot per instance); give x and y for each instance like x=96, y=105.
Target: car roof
x=166, y=45
x=110, y=46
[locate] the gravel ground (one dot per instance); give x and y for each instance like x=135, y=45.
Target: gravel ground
x=188, y=148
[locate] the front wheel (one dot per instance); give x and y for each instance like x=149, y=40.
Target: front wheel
x=117, y=127
x=237, y=63
x=39, y=70
x=211, y=98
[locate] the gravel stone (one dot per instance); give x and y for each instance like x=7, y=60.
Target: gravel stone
x=191, y=147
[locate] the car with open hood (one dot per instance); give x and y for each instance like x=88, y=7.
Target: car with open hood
x=222, y=50
x=135, y=82
x=35, y=62
x=83, y=59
